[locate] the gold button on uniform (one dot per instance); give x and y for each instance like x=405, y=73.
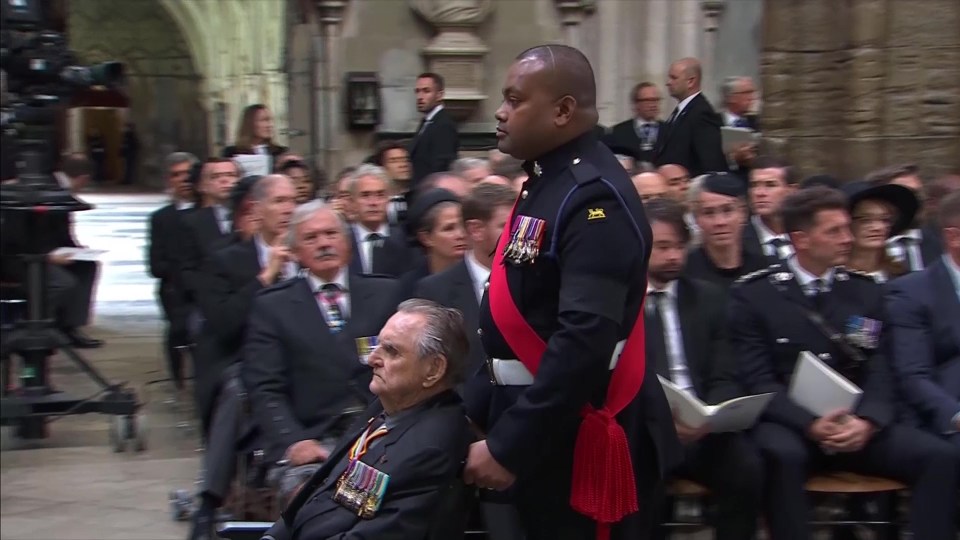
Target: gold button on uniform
x=523, y=194
x=576, y=161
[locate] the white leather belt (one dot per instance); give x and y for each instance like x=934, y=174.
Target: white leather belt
x=510, y=372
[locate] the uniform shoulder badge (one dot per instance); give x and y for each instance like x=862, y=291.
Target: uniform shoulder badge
x=768, y=271
x=595, y=213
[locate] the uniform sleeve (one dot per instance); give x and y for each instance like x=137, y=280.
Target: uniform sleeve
x=751, y=348
x=598, y=258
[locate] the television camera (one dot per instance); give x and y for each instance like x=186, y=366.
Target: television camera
x=39, y=72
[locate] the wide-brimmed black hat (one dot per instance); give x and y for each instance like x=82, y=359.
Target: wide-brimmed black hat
x=899, y=197
x=422, y=204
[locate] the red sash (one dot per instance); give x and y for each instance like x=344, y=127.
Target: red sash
x=603, y=486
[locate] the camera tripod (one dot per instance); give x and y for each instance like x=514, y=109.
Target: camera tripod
x=35, y=337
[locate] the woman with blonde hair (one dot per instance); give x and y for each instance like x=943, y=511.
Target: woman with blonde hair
x=878, y=212
x=255, y=136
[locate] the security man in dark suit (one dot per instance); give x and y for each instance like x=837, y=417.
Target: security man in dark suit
x=566, y=287
x=809, y=303
x=436, y=143
x=164, y=236
x=924, y=312
x=691, y=135
x=686, y=341
x=394, y=476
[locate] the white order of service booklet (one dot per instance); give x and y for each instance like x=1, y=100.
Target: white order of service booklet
x=819, y=389
x=732, y=415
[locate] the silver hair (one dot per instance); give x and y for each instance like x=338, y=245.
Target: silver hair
x=729, y=86
x=443, y=335
x=306, y=211
x=262, y=186
x=462, y=165
x=177, y=158
x=363, y=171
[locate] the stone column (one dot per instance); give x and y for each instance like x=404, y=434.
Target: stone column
x=328, y=122
x=712, y=11
x=572, y=13
x=851, y=86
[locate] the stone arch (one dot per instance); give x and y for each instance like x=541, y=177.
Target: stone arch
x=238, y=47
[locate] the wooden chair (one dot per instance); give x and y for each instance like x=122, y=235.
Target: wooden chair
x=849, y=485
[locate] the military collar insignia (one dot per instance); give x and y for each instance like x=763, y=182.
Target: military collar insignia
x=841, y=275
x=537, y=169
x=780, y=277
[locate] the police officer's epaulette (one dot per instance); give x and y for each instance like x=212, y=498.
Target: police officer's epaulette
x=285, y=284
x=752, y=276
x=584, y=171
x=858, y=273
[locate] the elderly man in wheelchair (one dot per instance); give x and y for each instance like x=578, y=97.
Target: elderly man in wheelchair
x=398, y=468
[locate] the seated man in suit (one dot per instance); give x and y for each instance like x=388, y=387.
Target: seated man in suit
x=395, y=473
x=924, y=310
x=305, y=354
x=809, y=303
x=771, y=180
x=378, y=247
x=686, y=341
x=691, y=136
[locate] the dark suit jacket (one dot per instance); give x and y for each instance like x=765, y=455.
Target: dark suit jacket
x=700, y=310
x=453, y=288
x=624, y=136
x=692, y=139
x=47, y=231
x=925, y=345
x=751, y=244
x=200, y=238
x=166, y=230
x=392, y=259
x=301, y=376
x=423, y=454
x=769, y=328
x=229, y=284
x=435, y=148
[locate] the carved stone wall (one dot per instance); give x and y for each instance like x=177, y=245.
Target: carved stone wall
x=164, y=86
x=851, y=85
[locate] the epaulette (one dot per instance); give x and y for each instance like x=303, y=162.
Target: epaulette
x=584, y=171
x=858, y=273
x=757, y=274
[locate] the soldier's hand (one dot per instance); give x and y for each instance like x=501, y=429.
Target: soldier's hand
x=853, y=435
x=483, y=470
x=308, y=451
x=689, y=434
x=827, y=425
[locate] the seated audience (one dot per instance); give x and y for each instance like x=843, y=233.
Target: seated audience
x=306, y=345
x=435, y=226
x=919, y=246
x=686, y=342
x=924, y=311
x=472, y=170
x=650, y=185
x=396, y=475
x=303, y=181
x=678, y=181
x=449, y=181
x=771, y=180
x=810, y=303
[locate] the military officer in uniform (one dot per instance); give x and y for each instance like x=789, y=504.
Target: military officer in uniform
x=558, y=320
x=810, y=303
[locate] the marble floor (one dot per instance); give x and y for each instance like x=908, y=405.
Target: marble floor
x=72, y=485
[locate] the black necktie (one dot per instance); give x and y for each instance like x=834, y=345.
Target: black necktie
x=776, y=244
x=655, y=332
x=329, y=295
x=817, y=289
x=673, y=115
x=376, y=245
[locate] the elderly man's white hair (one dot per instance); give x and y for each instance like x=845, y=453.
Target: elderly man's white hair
x=364, y=171
x=462, y=165
x=305, y=212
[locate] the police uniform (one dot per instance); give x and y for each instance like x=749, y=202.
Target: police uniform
x=581, y=291
x=774, y=315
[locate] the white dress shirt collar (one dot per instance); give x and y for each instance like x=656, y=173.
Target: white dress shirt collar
x=683, y=104
x=479, y=274
x=805, y=278
x=433, y=112
x=341, y=280
x=670, y=290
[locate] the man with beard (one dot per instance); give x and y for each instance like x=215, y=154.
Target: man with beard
x=686, y=342
x=720, y=213
x=560, y=321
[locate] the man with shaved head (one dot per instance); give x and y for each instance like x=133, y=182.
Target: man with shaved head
x=650, y=185
x=560, y=322
x=691, y=135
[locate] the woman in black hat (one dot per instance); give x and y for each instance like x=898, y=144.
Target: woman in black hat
x=877, y=213
x=434, y=223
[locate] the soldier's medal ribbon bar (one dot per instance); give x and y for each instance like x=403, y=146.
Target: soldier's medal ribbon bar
x=525, y=239
x=361, y=489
